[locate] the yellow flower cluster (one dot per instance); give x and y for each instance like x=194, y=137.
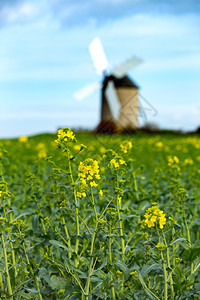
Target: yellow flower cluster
x=89, y=171
x=117, y=162
x=159, y=144
x=81, y=194
x=41, y=150
x=65, y=135
x=172, y=160
x=126, y=146
x=154, y=214
x=188, y=161
x=23, y=139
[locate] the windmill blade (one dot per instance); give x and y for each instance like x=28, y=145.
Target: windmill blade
x=123, y=68
x=113, y=100
x=87, y=90
x=98, y=56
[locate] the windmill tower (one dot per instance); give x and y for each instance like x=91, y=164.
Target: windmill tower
x=119, y=94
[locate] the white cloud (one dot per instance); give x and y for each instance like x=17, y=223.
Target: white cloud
x=21, y=12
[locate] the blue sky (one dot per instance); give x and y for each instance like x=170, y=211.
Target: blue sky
x=44, y=59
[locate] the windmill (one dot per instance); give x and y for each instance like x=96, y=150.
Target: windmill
x=119, y=94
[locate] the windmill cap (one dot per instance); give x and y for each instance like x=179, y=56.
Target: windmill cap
x=124, y=81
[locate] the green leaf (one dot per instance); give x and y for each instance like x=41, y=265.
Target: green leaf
x=59, y=245
x=123, y=267
x=58, y=283
x=177, y=241
x=27, y=212
x=95, y=279
x=195, y=252
x=33, y=291
x=102, y=266
x=24, y=295
x=34, y=221
x=44, y=274
x=146, y=269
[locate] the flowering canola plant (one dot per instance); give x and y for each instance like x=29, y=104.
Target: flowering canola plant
x=65, y=135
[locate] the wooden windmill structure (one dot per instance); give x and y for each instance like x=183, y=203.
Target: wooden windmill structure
x=119, y=94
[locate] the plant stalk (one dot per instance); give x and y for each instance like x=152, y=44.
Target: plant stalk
x=6, y=268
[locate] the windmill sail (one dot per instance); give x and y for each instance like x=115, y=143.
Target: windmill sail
x=113, y=100
x=123, y=68
x=98, y=56
x=87, y=90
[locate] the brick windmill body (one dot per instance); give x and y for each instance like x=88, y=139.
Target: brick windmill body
x=127, y=93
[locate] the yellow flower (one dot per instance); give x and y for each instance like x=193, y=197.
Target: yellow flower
x=23, y=139
x=81, y=194
x=188, y=161
x=42, y=154
x=122, y=162
x=126, y=146
x=119, y=199
x=88, y=171
x=159, y=144
x=102, y=150
x=93, y=183
x=100, y=192
x=77, y=147
x=173, y=160
x=65, y=135
x=154, y=214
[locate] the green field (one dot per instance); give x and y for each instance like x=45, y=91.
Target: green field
x=103, y=217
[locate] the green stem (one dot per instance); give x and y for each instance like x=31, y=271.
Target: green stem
x=164, y=268
x=165, y=276
x=67, y=234
x=135, y=186
x=120, y=224
x=189, y=239
x=94, y=208
x=110, y=259
x=121, y=230
x=13, y=256
x=169, y=266
x=91, y=249
x=91, y=261
x=1, y=282
x=43, y=226
x=76, y=211
x=32, y=272
x=6, y=268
